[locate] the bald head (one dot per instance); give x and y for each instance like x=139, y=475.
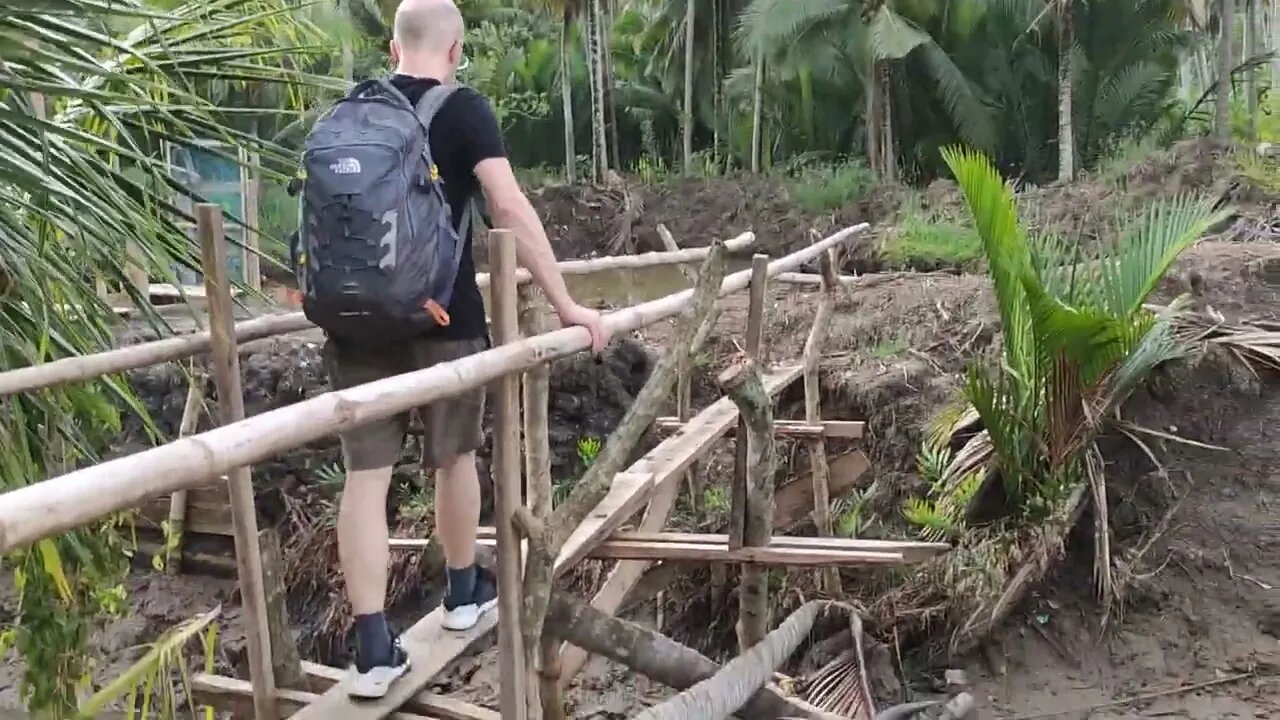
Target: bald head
x=427, y=26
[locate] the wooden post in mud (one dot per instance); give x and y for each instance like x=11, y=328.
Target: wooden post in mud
x=191, y=412
x=225, y=363
x=758, y=289
x=744, y=504
x=506, y=480
x=743, y=384
x=542, y=649
x=830, y=577
x=286, y=663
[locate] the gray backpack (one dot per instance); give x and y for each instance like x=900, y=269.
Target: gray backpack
x=377, y=251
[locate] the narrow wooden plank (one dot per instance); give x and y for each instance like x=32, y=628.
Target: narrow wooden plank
x=623, y=543
x=323, y=677
x=224, y=362
x=430, y=647
x=793, y=501
x=839, y=429
x=629, y=493
x=236, y=696
x=700, y=552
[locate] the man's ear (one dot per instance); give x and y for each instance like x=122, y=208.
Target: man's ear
x=394, y=51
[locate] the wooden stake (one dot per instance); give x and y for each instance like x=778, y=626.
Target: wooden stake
x=252, y=188
x=225, y=364
x=542, y=651
x=759, y=289
x=830, y=577
x=286, y=663
x=506, y=480
x=743, y=384
x=191, y=412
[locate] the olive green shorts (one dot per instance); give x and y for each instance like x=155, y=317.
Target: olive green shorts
x=451, y=426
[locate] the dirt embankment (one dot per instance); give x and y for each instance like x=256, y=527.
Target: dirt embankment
x=897, y=353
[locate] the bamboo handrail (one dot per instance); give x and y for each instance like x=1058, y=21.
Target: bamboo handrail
x=88, y=367
x=44, y=509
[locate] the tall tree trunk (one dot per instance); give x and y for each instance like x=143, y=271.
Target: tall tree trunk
x=757, y=113
x=1066, y=74
x=599, y=146
x=1226, y=56
x=688, y=86
x=881, y=153
x=717, y=12
x=1274, y=45
x=348, y=54
x=1251, y=50
x=606, y=62
x=566, y=96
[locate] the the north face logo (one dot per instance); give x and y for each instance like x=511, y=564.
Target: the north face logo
x=346, y=166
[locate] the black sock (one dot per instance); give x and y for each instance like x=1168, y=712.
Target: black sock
x=462, y=585
x=373, y=641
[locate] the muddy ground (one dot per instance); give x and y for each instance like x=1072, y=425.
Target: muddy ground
x=1198, y=536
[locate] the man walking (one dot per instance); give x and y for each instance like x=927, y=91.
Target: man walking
x=467, y=148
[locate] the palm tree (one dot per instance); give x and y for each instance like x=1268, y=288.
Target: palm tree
x=1066, y=78
x=687, y=109
x=1226, y=61
x=82, y=178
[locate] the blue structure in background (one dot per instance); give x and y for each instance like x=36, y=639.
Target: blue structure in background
x=219, y=180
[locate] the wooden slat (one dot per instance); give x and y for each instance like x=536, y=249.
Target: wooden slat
x=849, y=429
x=793, y=501
x=699, y=552
x=236, y=696
x=323, y=677
x=632, y=544
x=628, y=494
x=430, y=648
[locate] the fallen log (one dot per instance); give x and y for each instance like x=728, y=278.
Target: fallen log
x=660, y=658
x=728, y=691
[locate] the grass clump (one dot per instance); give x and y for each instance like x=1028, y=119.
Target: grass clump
x=824, y=188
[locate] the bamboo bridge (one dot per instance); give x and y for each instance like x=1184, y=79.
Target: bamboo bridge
x=216, y=465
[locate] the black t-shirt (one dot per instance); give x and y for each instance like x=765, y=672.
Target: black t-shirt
x=463, y=133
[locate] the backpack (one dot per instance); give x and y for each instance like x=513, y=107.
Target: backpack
x=377, y=252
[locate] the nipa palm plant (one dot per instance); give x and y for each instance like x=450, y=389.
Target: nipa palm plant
x=1077, y=341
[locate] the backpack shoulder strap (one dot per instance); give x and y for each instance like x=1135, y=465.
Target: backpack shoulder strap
x=432, y=100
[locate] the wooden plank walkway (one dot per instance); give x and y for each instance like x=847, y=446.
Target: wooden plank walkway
x=431, y=647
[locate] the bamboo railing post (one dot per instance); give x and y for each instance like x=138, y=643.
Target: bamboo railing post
x=252, y=219
x=506, y=481
x=225, y=363
x=759, y=289
x=542, y=652
x=191, y=412
x=830, y=577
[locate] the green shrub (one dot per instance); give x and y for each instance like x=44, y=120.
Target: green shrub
x=823, y=188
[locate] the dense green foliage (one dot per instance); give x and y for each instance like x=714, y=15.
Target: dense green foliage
x=87, y=102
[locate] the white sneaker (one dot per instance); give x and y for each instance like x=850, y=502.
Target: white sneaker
x=374, y=682
x=483, y=599
x=465, y=617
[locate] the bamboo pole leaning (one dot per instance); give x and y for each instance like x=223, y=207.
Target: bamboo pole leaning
x=225, y=367
x=56, y=505
x=191, y=412
x=88, y=367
